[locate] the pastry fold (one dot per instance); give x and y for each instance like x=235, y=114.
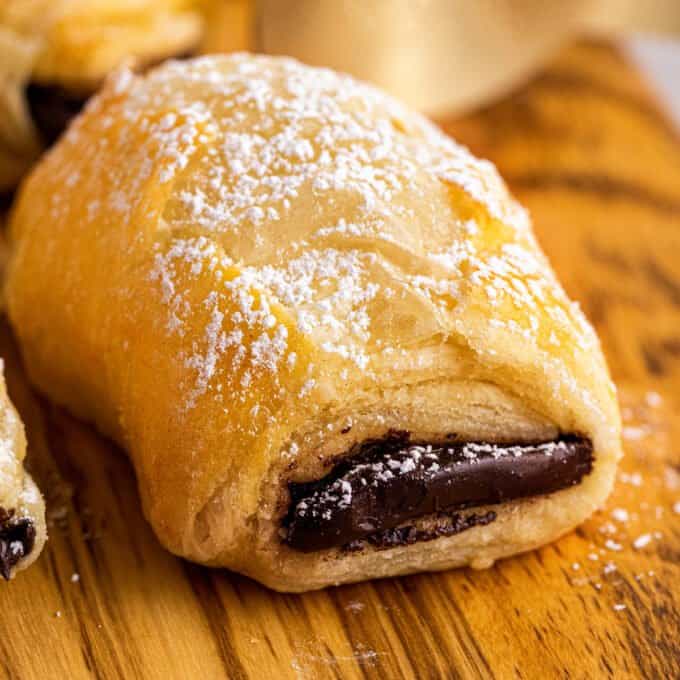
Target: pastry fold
x=258, y=277
x=22, y=509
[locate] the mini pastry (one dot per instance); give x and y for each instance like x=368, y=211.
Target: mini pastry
x=22, y=509
x=323, y=331
x=55, y=53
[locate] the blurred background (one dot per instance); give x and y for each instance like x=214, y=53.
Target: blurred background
x=447, y=58
x=451, y=56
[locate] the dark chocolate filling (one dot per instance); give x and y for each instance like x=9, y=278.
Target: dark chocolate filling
x=17, y=536
x=445, y=524
x=52, y=108
x=384, y=483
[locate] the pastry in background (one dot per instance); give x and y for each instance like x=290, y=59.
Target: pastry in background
x=324, y=332
x=22, y=509
x=55, y=53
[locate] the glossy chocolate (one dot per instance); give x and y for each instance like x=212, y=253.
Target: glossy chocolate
x=52, y=109
x=17, y=537
x=384, y=483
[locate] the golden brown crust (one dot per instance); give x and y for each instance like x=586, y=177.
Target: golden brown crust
x=235, y=255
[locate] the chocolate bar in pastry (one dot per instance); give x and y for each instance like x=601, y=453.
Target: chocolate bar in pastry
x=55, y=53
x=22, y=509
x=323, y=331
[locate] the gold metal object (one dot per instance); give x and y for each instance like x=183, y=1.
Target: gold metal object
x=437, y=55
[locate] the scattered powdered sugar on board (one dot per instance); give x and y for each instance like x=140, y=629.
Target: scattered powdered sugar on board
x=354, y=607
x=642, y=541
x=620, y=514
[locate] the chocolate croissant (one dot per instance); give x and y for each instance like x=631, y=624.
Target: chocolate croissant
x=323, y=331
x=22, y=509
x=55, y=53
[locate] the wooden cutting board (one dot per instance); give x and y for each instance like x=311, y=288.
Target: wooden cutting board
x=585, y=148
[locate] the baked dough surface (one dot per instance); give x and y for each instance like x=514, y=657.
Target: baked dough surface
x=228, y=262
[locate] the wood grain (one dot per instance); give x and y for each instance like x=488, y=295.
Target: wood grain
x=587, y=151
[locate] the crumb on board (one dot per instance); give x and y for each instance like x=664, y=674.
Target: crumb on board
x=653, y=399
x=642, y=541
x=620, y=515
x=631, y=526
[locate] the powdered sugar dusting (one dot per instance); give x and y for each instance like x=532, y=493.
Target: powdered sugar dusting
x=327, y=198
x=233, y=308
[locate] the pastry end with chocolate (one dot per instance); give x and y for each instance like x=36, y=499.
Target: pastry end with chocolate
x=377, y=493
x=17, y=538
